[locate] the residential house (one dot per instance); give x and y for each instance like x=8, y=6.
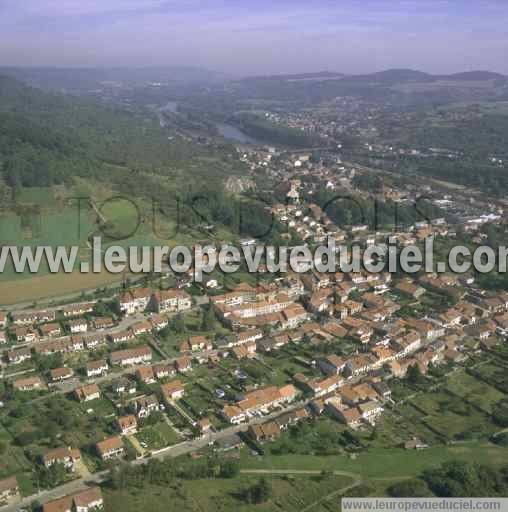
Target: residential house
x=183, y=364
x=77, y=309
x=17, y=356
x=66, y=455
x=450, y=318
x=103, y=322
x=9, y=489
x=264, y=432
x=127, y=424
x=195, y=343
x=284, y=421
x=96, y=368
x=361, y=363
x=408, y=343
x=60, y=374
x=173, y=390
x=233, y=414
x=246, y=350
x=358, y=329
x=93, y=341
x=28, y=384
x=332, y=364
x=31, y=317
x=145, y=406
x=259, y=400
x=87, y=393
x=122, y=336
x=334, y=329
x=370, y=410
x=84, y=501
x=408, y=288
x=132, y=356
x=141, y=328
x=78, y=325
x=162, y=371
x=321, y=301
x=204, y=426
x=323, y=387
x=110, y=448
x=171, y=301
x=159, y=322
x=382, y=390
x=145, y=374
x=349, y=416
x=25, y=335
x=246, y=337
x=50, y=330
x=427, y=328
x=135, y=300
x=123, y=385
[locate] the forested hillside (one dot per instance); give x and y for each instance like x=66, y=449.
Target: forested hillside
x=48, y=138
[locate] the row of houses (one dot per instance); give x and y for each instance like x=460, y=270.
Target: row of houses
x=26, y=328
x=258, y=402
x=269, y=431
x=141, y=299
x=83, y=501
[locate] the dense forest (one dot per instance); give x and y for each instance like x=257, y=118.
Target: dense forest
x=456, y=479
x=48, y=138
x=262, y=129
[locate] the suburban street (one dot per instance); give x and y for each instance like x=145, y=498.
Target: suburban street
x=169, y=452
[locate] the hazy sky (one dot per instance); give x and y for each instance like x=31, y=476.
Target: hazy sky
x=258, y=36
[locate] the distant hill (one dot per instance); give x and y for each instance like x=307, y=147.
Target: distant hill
x=387, y=77
x=393, y=76
x=398, y=87
x=320, y=75
x=475, y=76
x=84, y=79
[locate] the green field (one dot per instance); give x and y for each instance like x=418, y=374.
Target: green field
x=41, y=220
x=288, y=494
x=158, y=436
x=474, y=391
x=450, y=417
x=58, y=420
x=13, y=459
x=383, y=462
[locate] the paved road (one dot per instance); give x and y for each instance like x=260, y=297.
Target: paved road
x=123, y=325
x=70, y=386
x=53, y=494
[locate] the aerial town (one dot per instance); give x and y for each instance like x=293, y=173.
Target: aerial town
x=253, y=256
x=157, y=371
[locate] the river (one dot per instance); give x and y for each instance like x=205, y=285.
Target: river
x=228, y=131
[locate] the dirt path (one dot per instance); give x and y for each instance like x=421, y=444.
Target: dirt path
x=354, y=476
x=331, y=495
x=357, y=480
x=132, y=438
